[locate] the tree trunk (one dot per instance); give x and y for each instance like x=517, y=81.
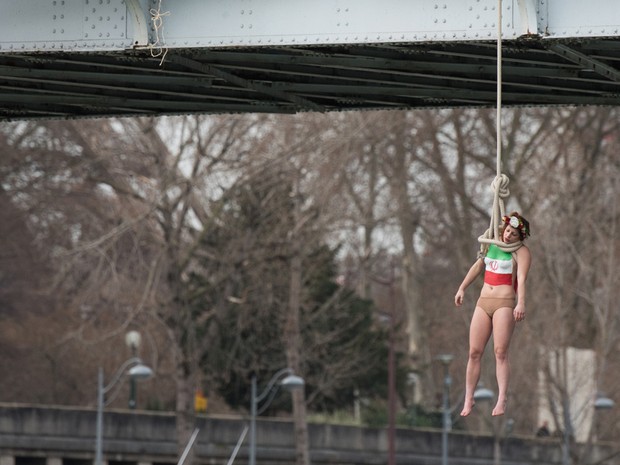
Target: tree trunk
x=292, y=341
x=408, y=224
x=185, y=417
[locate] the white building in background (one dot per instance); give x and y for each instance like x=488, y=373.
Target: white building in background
x=574, y=370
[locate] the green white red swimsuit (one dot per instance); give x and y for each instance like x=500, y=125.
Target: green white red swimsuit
x=499, y=267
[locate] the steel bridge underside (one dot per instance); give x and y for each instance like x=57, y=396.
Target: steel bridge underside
x=51, y=78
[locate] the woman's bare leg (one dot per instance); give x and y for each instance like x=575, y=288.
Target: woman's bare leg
x=479, y=334
x=503, y=327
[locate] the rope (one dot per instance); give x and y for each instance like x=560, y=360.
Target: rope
x=158, y=48
x=501, y=181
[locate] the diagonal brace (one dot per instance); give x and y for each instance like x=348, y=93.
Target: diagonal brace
x=214, y=71
x=584, y=60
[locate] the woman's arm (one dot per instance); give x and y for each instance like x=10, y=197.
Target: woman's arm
x=524, y=260
x=472, y=274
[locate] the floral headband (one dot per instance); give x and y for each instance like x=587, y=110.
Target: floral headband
x=516, y=223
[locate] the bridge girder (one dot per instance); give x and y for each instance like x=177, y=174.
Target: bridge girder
x=74, y=58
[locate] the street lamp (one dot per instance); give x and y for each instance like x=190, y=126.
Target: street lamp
x=136, y=371
x=446, y=423
x=289, y=381
x=483, y=394
x=132, y=339
x=602, y=402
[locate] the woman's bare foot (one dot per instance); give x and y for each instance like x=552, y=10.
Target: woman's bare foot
x=467, y=407
x=500, y=408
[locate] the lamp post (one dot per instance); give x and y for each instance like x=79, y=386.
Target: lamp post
x=132, y=339
x=289, y=381
x=136, y=370
x=483, y=394
x=446, y=424
x=601, y=402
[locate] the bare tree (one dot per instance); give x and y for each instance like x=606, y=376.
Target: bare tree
x=578, y=283
x=126, y=237
x=136, y=218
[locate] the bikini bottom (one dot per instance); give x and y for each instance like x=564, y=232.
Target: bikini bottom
x=491, y=304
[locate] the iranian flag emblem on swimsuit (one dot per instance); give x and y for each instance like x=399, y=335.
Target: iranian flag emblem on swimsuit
x=498, y=267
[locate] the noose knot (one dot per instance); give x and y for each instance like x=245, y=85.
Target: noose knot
x=500, y=185
x=492, y=235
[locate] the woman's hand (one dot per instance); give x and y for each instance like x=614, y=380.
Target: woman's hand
x=519, y=313
x=475, y=270
x=458, y=298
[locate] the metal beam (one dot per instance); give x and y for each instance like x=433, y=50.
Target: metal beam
x=585, y=61
x=91, y=25
x=255, y=86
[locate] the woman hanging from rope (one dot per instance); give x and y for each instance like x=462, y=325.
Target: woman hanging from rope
x=505, y=265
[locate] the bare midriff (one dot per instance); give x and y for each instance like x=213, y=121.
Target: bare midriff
x=502, y=291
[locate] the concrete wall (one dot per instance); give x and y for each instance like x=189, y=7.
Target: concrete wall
x=35, y=435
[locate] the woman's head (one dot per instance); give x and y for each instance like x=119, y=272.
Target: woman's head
x=516, y=224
